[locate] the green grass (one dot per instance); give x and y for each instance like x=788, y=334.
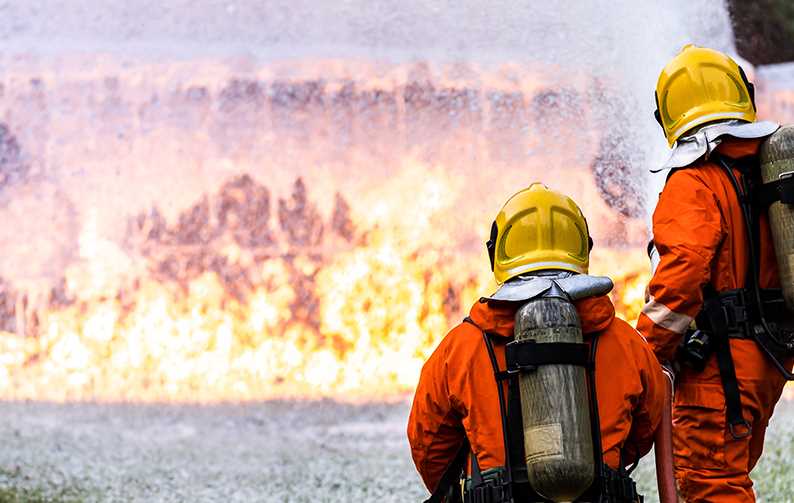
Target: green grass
x=19, y=495
x=19, y=487
x=774, y=475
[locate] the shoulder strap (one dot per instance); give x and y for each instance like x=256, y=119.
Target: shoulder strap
x=503, y=412
x=595, y=418
x=512, y=424
x=515, y=425
x=739, y=428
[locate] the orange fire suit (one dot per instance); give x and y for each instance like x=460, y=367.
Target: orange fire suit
x=457, y=393
x=699, y=231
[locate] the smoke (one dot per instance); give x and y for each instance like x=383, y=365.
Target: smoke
x=259, y=199
x=586, y=34
x=112, y=109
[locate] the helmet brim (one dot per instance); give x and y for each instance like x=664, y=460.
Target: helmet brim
x=690, y=148
x=576, y=286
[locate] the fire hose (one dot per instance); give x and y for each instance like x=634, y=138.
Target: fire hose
x=663, y=446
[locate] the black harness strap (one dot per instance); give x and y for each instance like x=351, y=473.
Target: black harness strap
x=506, y=431
x=737, y=425
x=527, y=355
x=724, y=318
x=752, y=225
x=595, y=419
x=780, y=190
x=516, y=482
x=511, y=458
x=515, y=424
x=476, y=472
x=718, y=319
x=717, y=315
x=721, y=315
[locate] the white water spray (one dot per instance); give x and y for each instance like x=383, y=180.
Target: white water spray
x=262, y=199
x=94, y=93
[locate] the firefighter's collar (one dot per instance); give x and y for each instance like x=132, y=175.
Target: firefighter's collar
x=574, y=286
x=690, y=148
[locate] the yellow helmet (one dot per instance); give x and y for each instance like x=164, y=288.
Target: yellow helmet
x=698, y=86
x=538, y=229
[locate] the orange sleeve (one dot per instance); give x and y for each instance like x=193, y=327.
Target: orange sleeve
x=687, y=231
x=648, y=409
x=435, y=431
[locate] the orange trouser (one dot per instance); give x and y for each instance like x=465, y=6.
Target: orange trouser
x=711, y=465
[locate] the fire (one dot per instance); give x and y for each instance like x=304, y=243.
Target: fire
x=251, y=289
x=356, y=323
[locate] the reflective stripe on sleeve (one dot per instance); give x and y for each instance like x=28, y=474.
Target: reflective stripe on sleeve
x=664, y=317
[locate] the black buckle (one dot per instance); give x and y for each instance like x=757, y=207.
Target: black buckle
x=488, y=493
x=490, y=245
x=513, y=365
x=785, y=187
x=527, y=355
x=520, y=369
x=727, y=314
x=735, y=310
x=746, y=431
x=619, y=487
x=717, y=317
x=781, y=190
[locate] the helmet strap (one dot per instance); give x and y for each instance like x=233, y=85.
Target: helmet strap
x=750, y=87
x=656, y=114
x=490, y=245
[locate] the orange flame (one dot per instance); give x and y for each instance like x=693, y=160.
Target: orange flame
x=381, y=306
x=346, y=298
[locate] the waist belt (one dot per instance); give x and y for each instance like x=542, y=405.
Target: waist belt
x=734, y=313
x=618, y=487
x=489, y=487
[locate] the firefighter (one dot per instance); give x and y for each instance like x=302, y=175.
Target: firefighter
x=458, y=414
x=716, y=266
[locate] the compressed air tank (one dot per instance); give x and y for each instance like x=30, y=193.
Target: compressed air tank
x=558, y=439
x=777, y=162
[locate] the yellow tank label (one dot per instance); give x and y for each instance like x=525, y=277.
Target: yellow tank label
x=543, y=443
